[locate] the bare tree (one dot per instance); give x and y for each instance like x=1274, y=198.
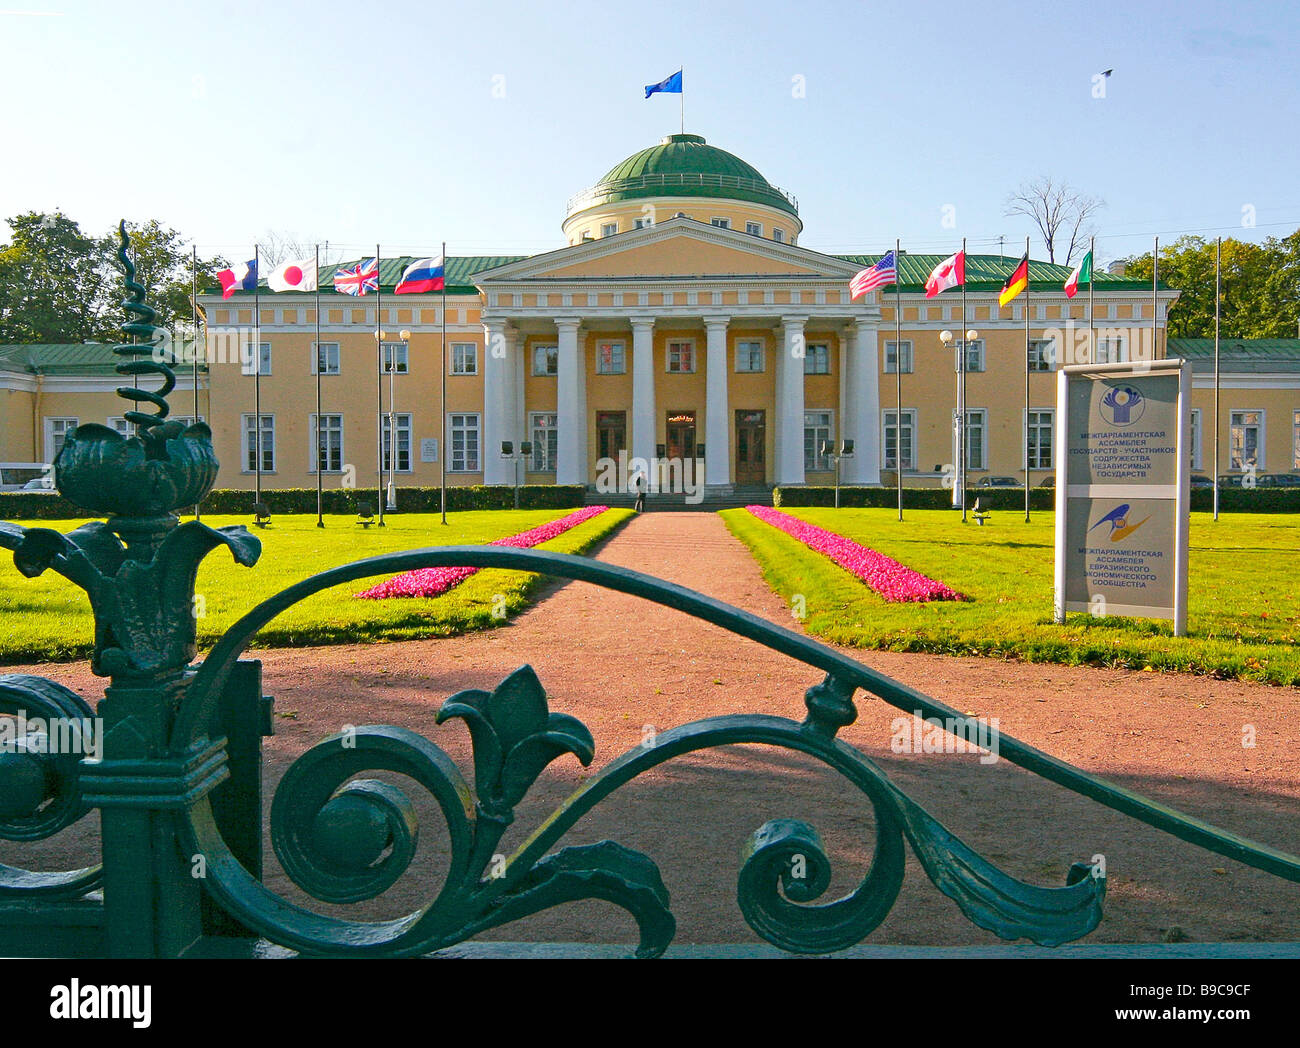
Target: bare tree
x=1062, y=214
x=277, y=246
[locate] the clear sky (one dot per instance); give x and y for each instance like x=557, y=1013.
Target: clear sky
x=410, y=123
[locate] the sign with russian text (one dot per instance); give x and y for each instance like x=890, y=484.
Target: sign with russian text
x=1122, y=490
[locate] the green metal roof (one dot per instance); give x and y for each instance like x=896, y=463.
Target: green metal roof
x=459, y=270
x=683, y=165
x=1239, y=355
x=77, y=358
x=990, y=272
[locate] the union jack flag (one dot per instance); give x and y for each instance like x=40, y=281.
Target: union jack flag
x=362, y=277
x=883, y=272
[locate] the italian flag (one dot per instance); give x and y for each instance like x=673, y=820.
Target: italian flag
x=1082, y=274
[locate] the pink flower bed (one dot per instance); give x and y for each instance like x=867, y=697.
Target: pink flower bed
x=894, y=581
x=432, y=582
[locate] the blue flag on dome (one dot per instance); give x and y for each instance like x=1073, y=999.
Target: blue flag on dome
x=671, y=86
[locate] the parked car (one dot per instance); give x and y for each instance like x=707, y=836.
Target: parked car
x=1231, y=480
x=44, y=484
x=1048, y=481
x=1278, y=480
x=1199, y=480
x=14, y=476
x=998, y=482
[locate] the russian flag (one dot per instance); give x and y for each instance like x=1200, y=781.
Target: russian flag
x=421, y=276
x=239, y=277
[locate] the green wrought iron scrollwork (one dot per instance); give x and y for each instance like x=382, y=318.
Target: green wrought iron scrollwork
x=344, y=836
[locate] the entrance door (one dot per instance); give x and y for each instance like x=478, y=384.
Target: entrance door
x=751, y=468
x=680, y=433
x=611, y=434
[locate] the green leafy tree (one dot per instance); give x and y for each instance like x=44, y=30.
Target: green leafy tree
x=164, y=265
x=52, y=281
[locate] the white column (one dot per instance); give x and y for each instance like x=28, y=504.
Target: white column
x=570, y=427
x=860, y=350
x=583, y=428
x=789, y=422
x=496, y=405
x=643, y=388
x=717, y=427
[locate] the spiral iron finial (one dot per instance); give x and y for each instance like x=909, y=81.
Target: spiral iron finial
x=147, y=356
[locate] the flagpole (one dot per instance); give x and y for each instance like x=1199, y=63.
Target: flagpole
x=257, y=373
x=443, y=451
x=1092, y=279
x=320, y=458
x=379, y=386
x=898, y=371
x=1155, y=298
x=1218, y=253
x=1028, y=289
x=682, y=93
x=194, y=302
x=961, y=409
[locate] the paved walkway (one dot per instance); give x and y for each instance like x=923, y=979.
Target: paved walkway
x=625, y=667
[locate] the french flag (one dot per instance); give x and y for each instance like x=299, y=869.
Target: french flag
x=421, y=276
x=239, y=277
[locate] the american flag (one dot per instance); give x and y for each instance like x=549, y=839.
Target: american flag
x=883, y=272
x=362, y=277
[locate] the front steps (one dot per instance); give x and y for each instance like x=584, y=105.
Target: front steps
x=676, y=502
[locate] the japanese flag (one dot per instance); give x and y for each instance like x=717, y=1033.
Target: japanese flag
x=299, y=275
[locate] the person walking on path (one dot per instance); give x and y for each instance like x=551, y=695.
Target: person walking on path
x=640, y=491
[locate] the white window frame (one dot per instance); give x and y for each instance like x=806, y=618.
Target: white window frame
x=1044, y=352
x=1194, y=430
x=1259, y=438
x=120, y=425
x=545, y=438
x=460, y=351
x=721, y=223
x=264, y=359
x=823, y=430
x=541, y=347
x=608, y=229
x=617, y=362
x=810, y=357
x=676, y=343
x=887, y=421
x=458, y=421
x=1295, y=440
x=977, y=347
x=754, y=229
x=247, y=443
x=762, y=357
x=778, y=235
x=313, y=440
x=891, y=349
x=326, y=347
x=1049, y=426
x=68, y=424
x=405, y=425
x=1103, y=351
x=398, y=353
x=981, y=464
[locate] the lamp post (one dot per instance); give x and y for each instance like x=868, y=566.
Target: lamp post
x=828, y=451
x=959, y=419
x=508, y=452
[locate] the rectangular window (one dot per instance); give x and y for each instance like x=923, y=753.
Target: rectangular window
x=974, y=354
x=611, y=358
x=121, y=425
x=1042, y=354
x=546, y=360
x=395, y=358
x=901, y=350
x=977, y=452
x=641, y=223
x=817, y=359
x=326, y=360
x=403, y=442
x=546, y=438
x=749, y=356
x=464, y=443
x=754, y=229
x=1040, y=440
x=1295, y=441
x=464, y=358
x=721, y=223
x=681, y=357
x=778, y=235
x=250, y=441
x=816, y=430
x=1245, y=440
x=56, y=432
x=608, y=229
x=891, y=441
x=265, y=356
x=1112, y=350
x=326, y=443
x=1194, y=436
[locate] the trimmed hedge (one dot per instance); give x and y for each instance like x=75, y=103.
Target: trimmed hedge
x=28, y=505
x=1231, y=500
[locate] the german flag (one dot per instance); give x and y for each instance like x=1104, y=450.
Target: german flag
x=1016, y=283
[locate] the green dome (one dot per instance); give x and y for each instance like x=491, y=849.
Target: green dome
x=684, y=165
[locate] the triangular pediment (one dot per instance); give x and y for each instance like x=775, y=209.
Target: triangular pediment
x=680, y=247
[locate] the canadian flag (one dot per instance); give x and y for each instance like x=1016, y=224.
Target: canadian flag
x=296, y=275
x=951, y=272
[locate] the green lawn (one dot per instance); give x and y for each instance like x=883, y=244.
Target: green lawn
x=1243, y=614
x=49, y=618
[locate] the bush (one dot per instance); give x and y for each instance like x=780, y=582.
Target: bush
x=27, y=505
x=1231, y=500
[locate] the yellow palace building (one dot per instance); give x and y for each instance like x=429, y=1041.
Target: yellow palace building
x=679, y=320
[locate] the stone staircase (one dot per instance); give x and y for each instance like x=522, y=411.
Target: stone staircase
x=665, y=502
